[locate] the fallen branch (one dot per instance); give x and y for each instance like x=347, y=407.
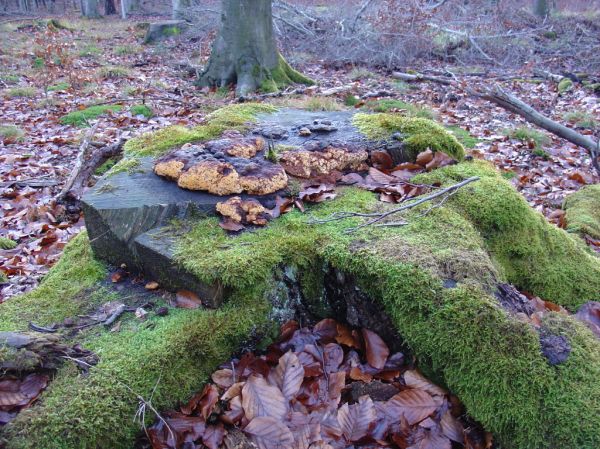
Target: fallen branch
x=88, y=160
x=376, y=217
x=507, y=101
x=511, y=103
x=33, y=351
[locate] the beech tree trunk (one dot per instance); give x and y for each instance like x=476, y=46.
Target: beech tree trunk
x=245, y=52
x=109, y=7
x=89, y=9
x=542, y=8
x=179, y=7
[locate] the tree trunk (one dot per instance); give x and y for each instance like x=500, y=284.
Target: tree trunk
x=109, y=7
x=179, y=7
x=124, y=9
x=89, y=9
x=541, y=8
x=245, y=52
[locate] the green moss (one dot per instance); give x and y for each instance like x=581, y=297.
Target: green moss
x=90, y=50
x=281, y=76
x=528, y=251
x=581, y=119
x=9, y=78
x=19, y=92
x=122, y=50
x=464, y=136
x=54, y=299
x=6, y=243
x=59, y=87
x=421, y=133
x=155, y=143
x=11, y=133
x=565, y=85
x=583, y=211
x=3, y=278
x=389, y=105
x=176, y=353
x=112, y=72
x=105, y=167
x=526, y=134
x=171, y=31
x=351, y=100
x=141, y=109
x=82, y=117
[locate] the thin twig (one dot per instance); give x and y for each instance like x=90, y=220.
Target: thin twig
x=378, y=216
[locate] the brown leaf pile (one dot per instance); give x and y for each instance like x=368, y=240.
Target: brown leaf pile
x=326, y=387
x=17, y=394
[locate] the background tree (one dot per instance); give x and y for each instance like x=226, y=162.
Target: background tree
x=89, y=9
x=542, y=8
x=245, y=52
x=109, y=7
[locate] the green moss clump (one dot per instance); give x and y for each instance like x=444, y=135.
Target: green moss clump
x=525, y=134
x=230, y=117
x=11, y=134
x=464, y=136
x=59, y=87
x=565, y=85
x=583, y=211
x=281, y=76
x=3, y=278
x=176, y=353
x=18, y=92
x=55, y=293
x=141, y=109
x=6, y=243
x=421, y=133
x=528, y=251
x=388, y=105
x=81, y=118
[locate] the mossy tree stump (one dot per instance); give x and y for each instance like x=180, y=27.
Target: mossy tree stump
x=245, y=52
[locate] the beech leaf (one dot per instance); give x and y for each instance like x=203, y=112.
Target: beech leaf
x=269, y=433
x=376, y=349
x=356, y=420
x=289, y=375
x=414, y=405
x=261, y=399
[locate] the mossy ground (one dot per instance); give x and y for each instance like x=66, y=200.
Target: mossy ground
x=82, y=117
x=484, y=234
x=421, y=133
x=583, y=211
x=175, y=353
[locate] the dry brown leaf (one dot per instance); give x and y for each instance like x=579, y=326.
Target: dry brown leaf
x=186, y=299
x=375, y=348
x=356, y=420
x=261, y=399
x=289, y=375
x=269, y=433
x=414, y=405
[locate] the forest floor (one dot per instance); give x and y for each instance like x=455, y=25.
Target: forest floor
x=47, y=75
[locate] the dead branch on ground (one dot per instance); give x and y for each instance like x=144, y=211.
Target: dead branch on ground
x=500, y=97
x=376, y=217
x=89, y=159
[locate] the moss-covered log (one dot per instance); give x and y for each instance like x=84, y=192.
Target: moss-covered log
x=245, y=53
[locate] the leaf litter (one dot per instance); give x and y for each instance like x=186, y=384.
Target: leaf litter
x=325, y=387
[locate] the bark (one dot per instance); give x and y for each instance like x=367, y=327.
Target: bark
x=109, y=7
x=124, y=9
x=89, y=9
x=245, y=52
x=541, y=8
x=179, y=7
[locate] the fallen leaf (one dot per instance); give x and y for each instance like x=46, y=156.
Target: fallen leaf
x=269, y=433
x=289, y=375
x=356, y=420
x=261, y=399
x=186, y=299
x=376, y=350
x=414, y=405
